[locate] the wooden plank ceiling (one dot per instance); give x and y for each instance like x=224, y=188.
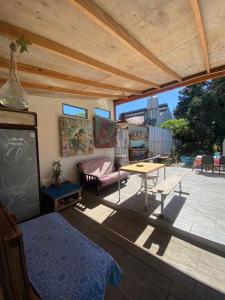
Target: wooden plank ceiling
x=116, y=50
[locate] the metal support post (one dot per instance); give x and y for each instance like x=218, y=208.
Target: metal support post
x=146, y=191
x=119, y=182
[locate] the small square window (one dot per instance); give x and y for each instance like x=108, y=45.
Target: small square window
x=102, y=113
x=74, y=111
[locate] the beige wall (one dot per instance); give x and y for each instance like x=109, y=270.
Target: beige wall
x=48, y=111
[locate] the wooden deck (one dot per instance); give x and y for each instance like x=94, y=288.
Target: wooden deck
x=155, y=265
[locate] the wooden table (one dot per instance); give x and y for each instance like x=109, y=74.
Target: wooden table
x=142, y=168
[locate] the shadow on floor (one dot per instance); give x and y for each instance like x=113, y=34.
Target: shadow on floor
x=144, y=275
x=89, y=200
x=84, y=204
x=173, y=208
x=158, y=237
x=210, y=174
x=125, y=227
x=132, y=229
x=136, y=202
x=111, y=190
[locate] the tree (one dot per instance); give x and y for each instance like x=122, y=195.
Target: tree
x=185, y=98
x=203, y=107
x=179, y=127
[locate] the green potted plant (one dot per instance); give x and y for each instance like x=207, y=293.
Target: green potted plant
x=57, y=178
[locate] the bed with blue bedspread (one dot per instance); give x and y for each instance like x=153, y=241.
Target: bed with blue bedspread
x=63, y=264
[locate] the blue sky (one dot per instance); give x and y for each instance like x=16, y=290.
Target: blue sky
x=171, y=98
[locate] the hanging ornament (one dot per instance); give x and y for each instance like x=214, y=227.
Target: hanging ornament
x=12, y=95
x=123, y=122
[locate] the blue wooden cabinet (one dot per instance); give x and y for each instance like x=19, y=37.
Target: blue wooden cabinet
x=62, y=196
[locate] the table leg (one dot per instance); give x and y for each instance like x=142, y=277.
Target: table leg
x=146, y=191
x=119, y=182
x=79, y=196
x=164, y=173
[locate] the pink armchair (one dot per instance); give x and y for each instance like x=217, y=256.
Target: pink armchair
x=99, y=172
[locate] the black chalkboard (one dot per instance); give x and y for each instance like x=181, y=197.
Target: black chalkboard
x=19, y=178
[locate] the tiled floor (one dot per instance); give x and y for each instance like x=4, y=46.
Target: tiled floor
x=200, y=211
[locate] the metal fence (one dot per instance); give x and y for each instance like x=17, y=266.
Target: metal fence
x=160, y=141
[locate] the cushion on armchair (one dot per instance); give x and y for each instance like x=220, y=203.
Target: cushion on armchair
x=97, y=166
x=111, y=178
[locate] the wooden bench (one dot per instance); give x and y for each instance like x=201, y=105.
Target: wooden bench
x=167, y=186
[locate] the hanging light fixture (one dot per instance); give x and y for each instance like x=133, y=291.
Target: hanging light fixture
x=12, y=95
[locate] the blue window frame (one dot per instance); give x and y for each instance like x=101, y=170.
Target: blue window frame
x=74, y=111
x=102, y=113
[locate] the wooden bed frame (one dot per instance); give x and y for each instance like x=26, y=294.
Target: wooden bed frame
x=14, y=282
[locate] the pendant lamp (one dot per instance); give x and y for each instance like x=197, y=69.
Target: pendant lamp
x=12, y=95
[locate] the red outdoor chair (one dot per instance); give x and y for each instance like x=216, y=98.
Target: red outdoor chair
x=222, y=163
x=207, y=160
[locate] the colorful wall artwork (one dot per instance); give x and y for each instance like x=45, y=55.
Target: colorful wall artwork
x=138, y=136
x=105, y=132
x=76, y=136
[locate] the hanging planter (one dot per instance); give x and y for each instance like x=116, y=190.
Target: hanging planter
x=12, y=95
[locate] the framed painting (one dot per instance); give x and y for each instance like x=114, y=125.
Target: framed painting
x=76, y=136
x=104, y=132
x=138, y=136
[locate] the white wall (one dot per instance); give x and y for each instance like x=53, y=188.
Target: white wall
x=48, y=112
x=166, y=115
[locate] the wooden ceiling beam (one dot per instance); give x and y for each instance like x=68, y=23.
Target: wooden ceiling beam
x=201, y=33
x=53, y=88
x=7, y=29
x=190, y=80
x=97, y=14
x=4, y=63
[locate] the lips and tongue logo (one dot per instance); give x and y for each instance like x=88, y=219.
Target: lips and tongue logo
x=15, y=149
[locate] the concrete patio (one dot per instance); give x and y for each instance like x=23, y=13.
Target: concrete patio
x=199, y=212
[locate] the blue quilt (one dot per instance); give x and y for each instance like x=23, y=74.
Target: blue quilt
x=63, y=264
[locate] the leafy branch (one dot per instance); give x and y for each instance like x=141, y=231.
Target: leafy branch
x=23, y=44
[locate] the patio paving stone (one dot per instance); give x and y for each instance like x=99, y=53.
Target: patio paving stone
x=200, y=210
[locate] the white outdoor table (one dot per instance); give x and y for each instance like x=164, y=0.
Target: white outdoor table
x=142, y=168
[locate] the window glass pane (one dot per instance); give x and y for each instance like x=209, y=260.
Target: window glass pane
x=74, y=111
x=102, y=113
